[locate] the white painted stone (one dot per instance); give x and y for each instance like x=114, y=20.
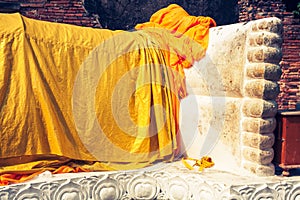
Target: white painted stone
x=173, y=182
x=234, y=87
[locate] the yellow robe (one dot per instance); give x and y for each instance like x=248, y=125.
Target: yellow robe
x=92, y=98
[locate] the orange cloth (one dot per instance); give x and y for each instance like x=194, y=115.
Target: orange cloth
x=175, y=19
x=10, y=178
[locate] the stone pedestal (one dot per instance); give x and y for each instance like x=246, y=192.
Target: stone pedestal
x=170, y=181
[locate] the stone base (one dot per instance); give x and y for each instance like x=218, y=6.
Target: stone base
x=166, y=181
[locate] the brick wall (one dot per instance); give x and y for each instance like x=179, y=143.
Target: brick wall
x=289, y=83
x=62, y=11
x=125, y=14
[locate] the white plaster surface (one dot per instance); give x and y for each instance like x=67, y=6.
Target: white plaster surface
x=170, y=181
x=201, y=136
x=234, y=82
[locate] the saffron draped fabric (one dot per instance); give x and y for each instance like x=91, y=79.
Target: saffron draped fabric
x=80, y=99
x=182, y=25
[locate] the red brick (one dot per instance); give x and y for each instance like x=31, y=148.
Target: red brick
x=60, y=2
x=33, y=5
x=33, y=1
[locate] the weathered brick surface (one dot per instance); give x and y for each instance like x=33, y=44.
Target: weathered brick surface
x=63, y=11
x=125, y=14
x=289, y=95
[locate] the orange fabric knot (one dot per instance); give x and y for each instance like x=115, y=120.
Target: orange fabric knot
x=204, y=162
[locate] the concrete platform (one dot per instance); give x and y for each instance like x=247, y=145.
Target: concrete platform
x=163, y=181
